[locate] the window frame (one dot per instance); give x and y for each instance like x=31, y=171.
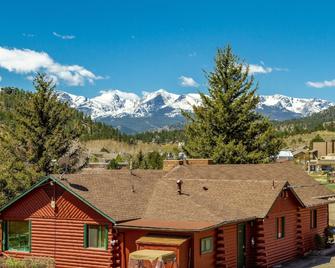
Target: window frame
x=280, y=227
x=104, y=235
x=313, y=218
x=5, y=237
x=207, y=238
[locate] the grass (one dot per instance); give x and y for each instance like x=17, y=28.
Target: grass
x=322, y=178
x=33, y=262
x=296, y=141
x=331, y=186
x=101, y=147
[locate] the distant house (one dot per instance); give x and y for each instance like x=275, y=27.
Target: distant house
x=303, y=155
x=284, y=155
x=324, y=148
x=193, y=213
x=324, y=163
x=324, y=156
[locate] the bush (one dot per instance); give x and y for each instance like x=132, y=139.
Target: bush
x=119, y=158
x=113, y=164
x=33, y=262
x=320, y=242
x=151, y=160
x=93, y=159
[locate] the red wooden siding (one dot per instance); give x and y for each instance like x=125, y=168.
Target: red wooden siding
x=298, y=236
x=207, y=259
x=279, y=250
x=59, y=233
x=273, y=250
x=37, y=205
x=308, y=234
x=226, y=247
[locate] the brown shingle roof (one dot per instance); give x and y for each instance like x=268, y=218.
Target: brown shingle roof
x=213, y=194
x=117, y=193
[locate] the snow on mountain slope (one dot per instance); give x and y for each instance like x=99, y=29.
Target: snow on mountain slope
x=161, y=108
x=301, y=106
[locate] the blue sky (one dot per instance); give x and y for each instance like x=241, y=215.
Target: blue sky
x=138, y=46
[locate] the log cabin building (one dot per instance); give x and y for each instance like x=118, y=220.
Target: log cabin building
x=191, y=213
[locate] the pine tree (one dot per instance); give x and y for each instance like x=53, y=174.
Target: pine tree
x=226, y=127
x=42, y=133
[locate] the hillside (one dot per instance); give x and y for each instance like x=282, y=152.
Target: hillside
x=299, y=140
x=324, y=120
x=107, y=149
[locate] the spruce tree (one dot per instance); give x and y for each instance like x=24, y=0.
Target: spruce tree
x=42, y=133
x=226, y=127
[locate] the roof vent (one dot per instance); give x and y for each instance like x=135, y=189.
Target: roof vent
x=179, y=184
x=205, y=188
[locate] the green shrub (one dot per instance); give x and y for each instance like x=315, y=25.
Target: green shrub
x=33, y=262
x=320, y=242
x=94, y=159
x=119, y=158
x=151, y=160
x=113, y=164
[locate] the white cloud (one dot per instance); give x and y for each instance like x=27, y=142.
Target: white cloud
x=262, y=69
x=259, y=69
x=188, y=82
x=26, y=61
x=64, y=37
x=322, y=84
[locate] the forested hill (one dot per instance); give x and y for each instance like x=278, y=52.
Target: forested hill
x=10, y=97
x=324, y=120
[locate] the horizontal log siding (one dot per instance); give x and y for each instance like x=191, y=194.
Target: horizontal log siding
x=308, y=234
x=59, y=233
x=279, y=250
x=283, y=249
x=230, y=245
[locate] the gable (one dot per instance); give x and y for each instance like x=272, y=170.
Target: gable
x=37, y=204
x=286, y=201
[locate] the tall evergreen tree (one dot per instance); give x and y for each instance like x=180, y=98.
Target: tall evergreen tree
x=41, y=134
x=226, y=127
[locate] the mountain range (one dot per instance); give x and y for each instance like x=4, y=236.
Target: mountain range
x=160, y=109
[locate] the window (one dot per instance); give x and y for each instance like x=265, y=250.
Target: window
x=206, y=245
x=280, y=225
x=313, y=218
x=16, y=235
x=95, y=236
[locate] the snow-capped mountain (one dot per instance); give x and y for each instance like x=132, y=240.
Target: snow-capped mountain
x=280, y=107
x=158, y=109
